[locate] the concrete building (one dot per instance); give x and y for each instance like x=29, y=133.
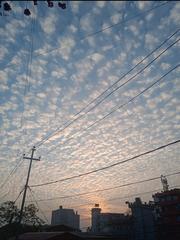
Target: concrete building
x=95, y=218
x=167, y=213
x=143, y=220
x=110, y=223
x=65, y=217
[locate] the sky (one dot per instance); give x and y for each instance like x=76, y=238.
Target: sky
x=52, y=64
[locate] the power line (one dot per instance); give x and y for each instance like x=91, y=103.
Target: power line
x=28, y=66
x=110, y=188
x=70, y=122
x=106, y=28
x=124, y=21
x=28, y=73
x=109, y=166
x=12, y=172
x=129, y=196
x=16, y=197
x=19, y=195
x=99, y=31
x=118, y=198
x=19, y=163
x=104, y=116
x=132, y=99
x=32, y=194
x=25, y=89
x=117, y=107
x=3, y=196
x=142, y=193
x=124, y=197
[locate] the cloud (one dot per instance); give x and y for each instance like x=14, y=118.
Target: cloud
x=86, y=23
x=3, y=52
x=4, y=81
x=150, y=16
x=65, y=80
x=174, y=13
x=96, y=57
x=59, y=72
x=150, y=40
x=116, y=18
x=66, y=46
x=73, y=28
x=48, y=24
x=118, y=5
x=107, y=30
x=165, y=66
x=134, y=30
x=143, y=4
x=101, y=4
x=75, y=6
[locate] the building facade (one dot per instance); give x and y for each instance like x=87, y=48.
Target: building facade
x=167, y=213
x=65, y=217
x=143, y=220
x=110, y=223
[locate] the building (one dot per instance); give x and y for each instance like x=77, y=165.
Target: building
x=167, y=213
x=143, y=220
x=59, y=228
x=63, y=236
x=95, y=218
x=65, y=217
x=110, y=223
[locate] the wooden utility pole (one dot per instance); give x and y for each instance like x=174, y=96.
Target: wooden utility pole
x=27, y=180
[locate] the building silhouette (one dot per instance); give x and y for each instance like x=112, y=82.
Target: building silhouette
x=156, y=220
x=110, y=223
x=65, y=217
x=143, y=220
x=167, y=213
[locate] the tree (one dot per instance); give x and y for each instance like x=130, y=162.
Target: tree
x=30, y=217
x=9, y=213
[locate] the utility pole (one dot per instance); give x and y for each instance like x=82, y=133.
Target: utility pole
x=26, y=185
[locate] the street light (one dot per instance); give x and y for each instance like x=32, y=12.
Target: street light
x=62, y=5
x=50, y=4
x=27, y=12
x=7, y=7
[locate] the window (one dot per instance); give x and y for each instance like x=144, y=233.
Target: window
x=156, y=199
x=168, y=198
x=178, y=206
x=175, y=197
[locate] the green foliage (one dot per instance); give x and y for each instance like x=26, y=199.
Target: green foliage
x=9, y=213
x=30, y=217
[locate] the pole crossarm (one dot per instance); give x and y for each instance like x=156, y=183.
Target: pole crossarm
x=36, y=159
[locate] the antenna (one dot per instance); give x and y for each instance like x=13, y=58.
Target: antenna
x=164, y=182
